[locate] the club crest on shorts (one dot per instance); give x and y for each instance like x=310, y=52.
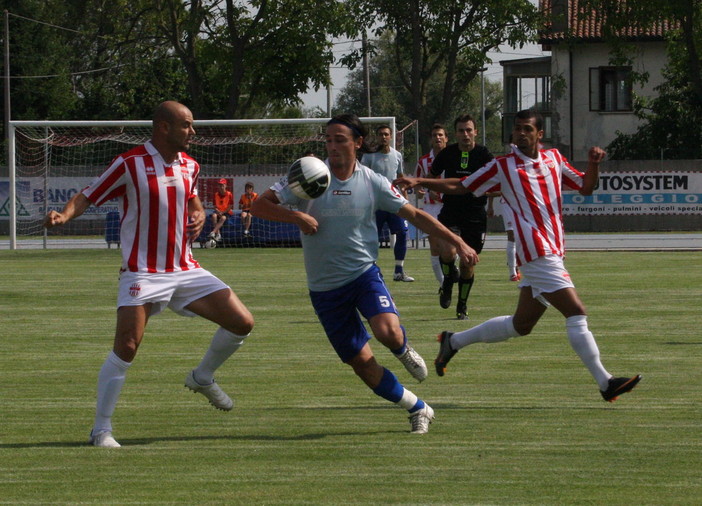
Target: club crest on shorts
x=135, y=289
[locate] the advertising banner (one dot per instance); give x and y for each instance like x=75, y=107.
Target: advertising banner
x=632, y=193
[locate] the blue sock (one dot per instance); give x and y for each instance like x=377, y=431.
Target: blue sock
x=389, y=387
x=420, y=404
x=403, y=348
x=400, y=250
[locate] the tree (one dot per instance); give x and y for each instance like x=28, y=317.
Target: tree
x=391, y=98
x=224, y=58
x=671, y=121
x=448, y=39
x=243, y=57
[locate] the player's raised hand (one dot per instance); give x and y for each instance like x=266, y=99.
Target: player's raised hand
x=596, y=154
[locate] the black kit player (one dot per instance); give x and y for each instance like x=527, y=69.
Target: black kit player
x=463, y=214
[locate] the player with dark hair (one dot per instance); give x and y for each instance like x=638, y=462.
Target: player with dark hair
x=531, y=181
x=432, y=200
x=387, y=161
x=223, y=208
x=463, y=214
x=161, y=214
x=340, y=246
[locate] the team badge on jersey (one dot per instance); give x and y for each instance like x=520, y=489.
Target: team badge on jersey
x=135, y=289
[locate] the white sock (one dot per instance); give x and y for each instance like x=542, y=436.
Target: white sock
x=399, y=263
x=512, y=257
x=408, y=400
x=110, y=381
x=223, y=345
x=436, y=267
x=494, y=330
x=583, y=342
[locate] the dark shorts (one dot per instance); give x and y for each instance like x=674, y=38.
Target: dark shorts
x=339, y=311
x=396, y=224
x=471, y=231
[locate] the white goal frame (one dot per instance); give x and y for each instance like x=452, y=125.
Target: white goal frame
x=14, y=125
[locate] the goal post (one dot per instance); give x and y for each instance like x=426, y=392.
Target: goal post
x=50, y=161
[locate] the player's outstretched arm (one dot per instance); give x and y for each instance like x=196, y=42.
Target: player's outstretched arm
x=451, y=185
x=267, y=207
x=73, y=208
x=594, y=157
x=431, y=226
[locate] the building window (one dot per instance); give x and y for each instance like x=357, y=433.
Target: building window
x=610, y=89
x=526, y=92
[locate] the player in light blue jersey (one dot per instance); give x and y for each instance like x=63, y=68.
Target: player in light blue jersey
x=340, y=246
x=387, y=161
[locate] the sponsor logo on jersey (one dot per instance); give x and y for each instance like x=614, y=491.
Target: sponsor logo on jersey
x=341, y=192
x=170, y=181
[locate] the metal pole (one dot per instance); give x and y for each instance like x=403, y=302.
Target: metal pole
x=482, y=102
x=366, y=72
x=329, y=95
x=11, y=139
x=418, y=154
x=7, y=72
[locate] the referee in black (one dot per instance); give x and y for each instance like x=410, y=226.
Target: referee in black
x=463, y=214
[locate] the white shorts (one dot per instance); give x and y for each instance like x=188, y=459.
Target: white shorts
x=433, y=209
x=171, y=289
x=545, y=275
x=506, y=216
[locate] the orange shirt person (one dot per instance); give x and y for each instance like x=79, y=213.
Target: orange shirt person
x=248, y=198
x=224, y=204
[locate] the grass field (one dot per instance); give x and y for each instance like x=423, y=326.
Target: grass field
x=520, y=422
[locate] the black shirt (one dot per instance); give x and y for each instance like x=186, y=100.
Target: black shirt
x=448, y=162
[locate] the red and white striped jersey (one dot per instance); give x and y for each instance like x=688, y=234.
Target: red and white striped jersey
x=531, y=190
x=153, y=202
x=424, y=170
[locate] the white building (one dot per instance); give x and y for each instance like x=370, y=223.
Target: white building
x=585, y=99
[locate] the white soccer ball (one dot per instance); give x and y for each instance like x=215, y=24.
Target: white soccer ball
x=210, y=244
x=308, y=177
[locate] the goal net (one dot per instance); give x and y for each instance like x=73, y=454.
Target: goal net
x=52, y=161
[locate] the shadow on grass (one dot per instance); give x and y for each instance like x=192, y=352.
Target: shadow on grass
x=151, y=440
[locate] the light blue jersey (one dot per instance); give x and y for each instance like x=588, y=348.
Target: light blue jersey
x=346, y=243
x=386, y=164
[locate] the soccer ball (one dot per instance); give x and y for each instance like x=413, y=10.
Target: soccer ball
x=210, y=244
x=308, y=177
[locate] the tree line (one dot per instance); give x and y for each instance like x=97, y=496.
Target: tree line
x=93, y=59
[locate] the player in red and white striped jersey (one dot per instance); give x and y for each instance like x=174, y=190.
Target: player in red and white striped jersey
x=154, y=199
x=160, y=215
x=432, y=200
x=530, y=180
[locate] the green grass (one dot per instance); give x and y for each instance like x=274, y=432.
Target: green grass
x=519, y=422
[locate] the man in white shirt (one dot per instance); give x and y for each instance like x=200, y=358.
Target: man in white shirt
x=387, y=161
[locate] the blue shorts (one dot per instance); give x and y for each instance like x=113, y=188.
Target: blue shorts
x=396, y=224
x=338, y=311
